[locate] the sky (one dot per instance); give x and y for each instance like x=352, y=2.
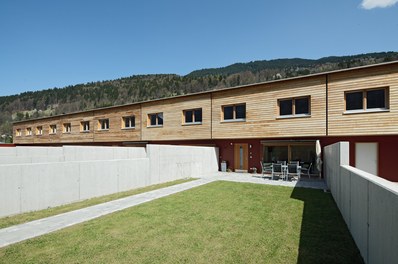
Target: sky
x=53, y=43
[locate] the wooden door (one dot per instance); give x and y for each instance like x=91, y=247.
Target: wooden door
x=241, y=157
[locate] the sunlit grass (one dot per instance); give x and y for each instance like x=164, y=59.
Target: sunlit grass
x=221, y=222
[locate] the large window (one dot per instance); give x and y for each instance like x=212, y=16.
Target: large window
x=155, y=120
x=294, y=106
x=371, y=99
x=289, y=151
x=193, y=116
x=234, y=112
x=129, y=122
x=85, y=126
x=103, y=124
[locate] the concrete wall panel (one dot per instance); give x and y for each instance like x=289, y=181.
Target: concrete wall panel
x=74, y=173
x=368, y=203
x=10, y=190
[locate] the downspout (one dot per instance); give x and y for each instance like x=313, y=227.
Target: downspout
x=211, y=116
x=327, y=104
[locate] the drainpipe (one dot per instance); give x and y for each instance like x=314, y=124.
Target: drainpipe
x=327, y=104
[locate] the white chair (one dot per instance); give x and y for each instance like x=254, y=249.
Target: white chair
x=266, y=168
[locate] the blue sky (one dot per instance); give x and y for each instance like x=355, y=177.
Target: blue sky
x=46, y=44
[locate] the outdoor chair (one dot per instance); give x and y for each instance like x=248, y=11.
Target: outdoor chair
x=306, y=169
x=283, y=162
x=277, y=170
x=293, y=171
x=266, y=168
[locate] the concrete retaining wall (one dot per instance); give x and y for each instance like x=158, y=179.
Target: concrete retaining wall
x=87, y=172
x=22, y=155
x=368, y=204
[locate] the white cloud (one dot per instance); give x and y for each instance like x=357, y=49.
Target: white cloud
x=370, y=4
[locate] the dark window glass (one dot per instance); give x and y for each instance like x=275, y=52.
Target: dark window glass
x=104, y=124
x=354, y=101
x=129, y=121
x=285, y=107
x=240, y=111
x=198, y=115
x=228, y=112
x=188, y=116
x=302, y=106
x=153, y=119
x=160, y=119
x=375, y=99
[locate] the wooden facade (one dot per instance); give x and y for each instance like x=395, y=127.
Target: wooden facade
x=326, y=117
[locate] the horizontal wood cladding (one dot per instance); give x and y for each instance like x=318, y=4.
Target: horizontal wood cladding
x=173, y=126
x=262, y=116
x=113, y=134
x=254, y=113
x=366, y=123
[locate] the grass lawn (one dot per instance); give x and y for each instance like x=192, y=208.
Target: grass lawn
x=221, y=222
x=27, y=217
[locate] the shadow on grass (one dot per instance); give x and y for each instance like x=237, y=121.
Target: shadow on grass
x=324, y=236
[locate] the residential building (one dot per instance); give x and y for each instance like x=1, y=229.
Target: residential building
x=262, y=122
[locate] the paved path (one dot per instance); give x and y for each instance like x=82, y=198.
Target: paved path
x=18, y=233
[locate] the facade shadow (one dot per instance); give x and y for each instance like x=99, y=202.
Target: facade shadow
x=324, y=236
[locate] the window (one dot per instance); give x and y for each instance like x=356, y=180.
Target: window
x=53, y=129
x=294, y=106
x=129, y=122
x=103, y=124
x=85, y=126
x=18, y=132
x=28, y=131
x=373, y=99
x=234, y=112
x=155, y=120
x=39, y=130
x=67, y=128
x=193, y=116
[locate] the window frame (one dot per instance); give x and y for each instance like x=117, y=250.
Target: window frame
x=18, y=132
x=365, y=108
x=156, y=115
x=103, y=124
x=293, y=107
x=193, y=122
x=124, y=118
x=66, y=128
x=53, y=129
x=39, y=130
x=83, y=126
x=234, y=113
x=28, y=132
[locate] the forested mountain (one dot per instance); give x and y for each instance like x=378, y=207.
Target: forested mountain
x=136, y=88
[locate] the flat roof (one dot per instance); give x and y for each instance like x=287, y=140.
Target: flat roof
x=217, y=90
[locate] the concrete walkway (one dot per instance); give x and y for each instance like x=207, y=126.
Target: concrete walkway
x=18, y=233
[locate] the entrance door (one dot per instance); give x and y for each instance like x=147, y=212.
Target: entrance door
x=366, y=157
x=241, y=157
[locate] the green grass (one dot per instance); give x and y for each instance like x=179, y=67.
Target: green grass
x=221, y=222
x=27, y=217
